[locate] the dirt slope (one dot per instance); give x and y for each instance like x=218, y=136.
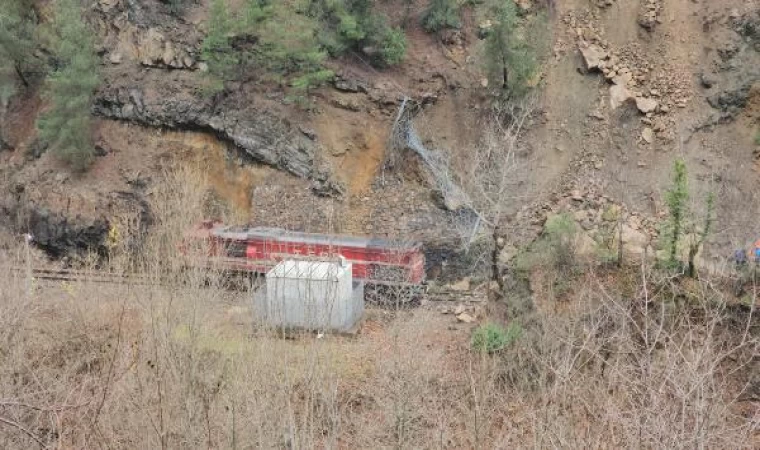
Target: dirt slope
x=696, y=61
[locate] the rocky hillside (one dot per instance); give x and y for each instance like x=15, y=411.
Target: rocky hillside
x=626, y=87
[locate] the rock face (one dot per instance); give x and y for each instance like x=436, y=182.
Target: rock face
x=733, y=100
x=57, y=235
x=259, y=133
x=157, y=51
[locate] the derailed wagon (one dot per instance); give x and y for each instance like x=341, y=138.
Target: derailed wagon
x=393, y=271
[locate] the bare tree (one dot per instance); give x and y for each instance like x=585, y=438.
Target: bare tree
x=491, y=176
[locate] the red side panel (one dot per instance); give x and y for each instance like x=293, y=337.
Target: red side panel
x=369, y=263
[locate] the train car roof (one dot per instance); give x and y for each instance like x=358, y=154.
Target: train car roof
x=282, y=235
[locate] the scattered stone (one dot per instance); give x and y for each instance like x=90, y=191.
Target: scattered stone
x=346, y=85
x=461, y=286
x=154, y=50
x=339, y=151
x=647, y=134
x=708, y=80
x=619, y=95
x=459, y=310
x=593, y=55
x=347, y=104
x=169, y=55
x=634, y=242
x=115, y=58
x=507, y=254
x=484, y=29
x=623, y=79
x=465, y=318
x=308, y=132
x=646, y=105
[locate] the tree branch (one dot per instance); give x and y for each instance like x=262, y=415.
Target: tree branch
x=21, y=428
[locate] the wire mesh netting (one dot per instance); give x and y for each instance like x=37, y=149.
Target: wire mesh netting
x=404, y=136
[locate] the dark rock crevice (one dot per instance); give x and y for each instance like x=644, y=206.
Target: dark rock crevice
x=258, y=133
x=54, y=233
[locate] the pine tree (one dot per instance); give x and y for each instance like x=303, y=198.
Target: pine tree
x=65, y=127
x=18, y=23
x=511, y=58
x=677, y=198
x=217, y=49
x=441, y=14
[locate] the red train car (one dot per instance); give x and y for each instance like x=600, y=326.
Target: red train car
x=258, y=249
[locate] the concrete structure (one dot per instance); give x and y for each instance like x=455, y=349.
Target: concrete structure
x=313, y=295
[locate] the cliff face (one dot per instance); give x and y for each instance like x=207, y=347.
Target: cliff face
x=258, y=132
x=683, y=77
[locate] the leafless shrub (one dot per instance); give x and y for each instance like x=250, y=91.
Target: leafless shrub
x=647, y=372
x=181, y=365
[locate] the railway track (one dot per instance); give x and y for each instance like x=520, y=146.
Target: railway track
x=379, y=294
x=49, y=274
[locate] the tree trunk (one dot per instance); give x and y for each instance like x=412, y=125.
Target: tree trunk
x=620, y=241
x=20, y=74
x=495, y=273
x=504, y=72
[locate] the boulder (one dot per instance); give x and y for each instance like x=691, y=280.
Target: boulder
x=154, y=50
x=635, y=242
x=465, y=318
x=708, y=80
x=585, y=245
x=115, y=58
x=623, y=79
x=169, y=54
x=593, y=55
x=461, y=286
x=619, y=95
x=349, y=85
x=646, y=105
x=150, y=47
x=647, y=135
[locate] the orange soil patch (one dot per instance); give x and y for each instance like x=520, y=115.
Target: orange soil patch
x=354, y=144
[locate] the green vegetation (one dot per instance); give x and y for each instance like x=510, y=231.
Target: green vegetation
x=441, y=14
x=511, y=53
x=353, y=25
x=560, y=234
x=676, y=199
x=291, y=40
x=555, y=248
x=696, y=244
x=392, y=47
x=491, y=338
x=217, y=50
x=682, y=221
x=177, y=7
x=65, y=126
x=18, y=26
